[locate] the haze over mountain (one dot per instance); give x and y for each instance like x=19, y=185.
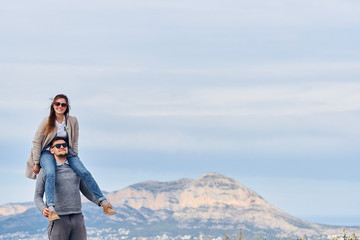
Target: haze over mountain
x=207, y=205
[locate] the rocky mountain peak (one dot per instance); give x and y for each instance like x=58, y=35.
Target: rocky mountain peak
x=158, y=187
x=223, y=183
x=210, y=189
x=215, y=190
x=216, y=180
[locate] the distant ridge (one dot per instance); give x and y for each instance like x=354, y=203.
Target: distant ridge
x=14, y=208
x=215, y=200
x=207, y=206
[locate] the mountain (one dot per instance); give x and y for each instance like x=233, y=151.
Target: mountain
x=14, y=208
x=180, y=209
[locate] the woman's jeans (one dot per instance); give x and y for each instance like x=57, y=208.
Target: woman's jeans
x=48, y=163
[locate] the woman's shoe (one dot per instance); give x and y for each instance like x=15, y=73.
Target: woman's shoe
x=53, y=216
x=108, y=209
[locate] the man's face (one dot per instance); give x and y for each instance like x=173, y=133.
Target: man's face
x=59, y=148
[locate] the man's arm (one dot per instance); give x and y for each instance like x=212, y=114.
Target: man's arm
x=39, y=192
x=87, y=193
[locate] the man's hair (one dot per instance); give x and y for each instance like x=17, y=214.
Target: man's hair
x=57, y=139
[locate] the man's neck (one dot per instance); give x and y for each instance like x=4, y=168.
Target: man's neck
x=60, y=159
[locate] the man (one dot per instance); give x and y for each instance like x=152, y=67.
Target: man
x=69, y=225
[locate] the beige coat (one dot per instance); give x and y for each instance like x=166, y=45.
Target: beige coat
x=41, y=141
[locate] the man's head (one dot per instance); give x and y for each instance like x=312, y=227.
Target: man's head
x=59, y=147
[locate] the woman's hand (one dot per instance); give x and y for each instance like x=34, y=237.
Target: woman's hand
x=36, y=169
x=46, y=212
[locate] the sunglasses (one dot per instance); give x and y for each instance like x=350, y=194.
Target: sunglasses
x=64, y=145
x=62, y=104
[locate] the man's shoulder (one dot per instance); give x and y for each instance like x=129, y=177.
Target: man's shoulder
x=41, y=174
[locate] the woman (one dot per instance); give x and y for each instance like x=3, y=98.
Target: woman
x=60, y=124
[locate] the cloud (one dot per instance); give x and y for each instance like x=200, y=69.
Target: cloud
x=291, y=100
x=104, y=91
x=226, y=119
x=108, y=32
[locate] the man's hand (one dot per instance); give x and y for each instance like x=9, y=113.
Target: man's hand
x=36, y=169
x=46, y=212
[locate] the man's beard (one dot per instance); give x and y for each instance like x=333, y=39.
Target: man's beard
x=62, y=154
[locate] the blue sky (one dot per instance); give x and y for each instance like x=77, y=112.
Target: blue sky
x=266, y=92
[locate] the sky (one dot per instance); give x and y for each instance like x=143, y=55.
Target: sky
x=265, y=92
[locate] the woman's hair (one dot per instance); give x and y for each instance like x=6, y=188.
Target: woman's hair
x=52, y=117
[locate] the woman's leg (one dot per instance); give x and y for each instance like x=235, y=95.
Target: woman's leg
x=47, y=162
x=86, y=176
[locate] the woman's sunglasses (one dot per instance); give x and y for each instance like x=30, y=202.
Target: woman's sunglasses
x=62, y=104
x=64, y=145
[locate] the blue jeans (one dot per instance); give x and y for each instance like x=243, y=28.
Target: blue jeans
x=48, y=163
x=86, y=176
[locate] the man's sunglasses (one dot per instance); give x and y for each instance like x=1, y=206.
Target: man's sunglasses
x=62, y=104
x=64, y=145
